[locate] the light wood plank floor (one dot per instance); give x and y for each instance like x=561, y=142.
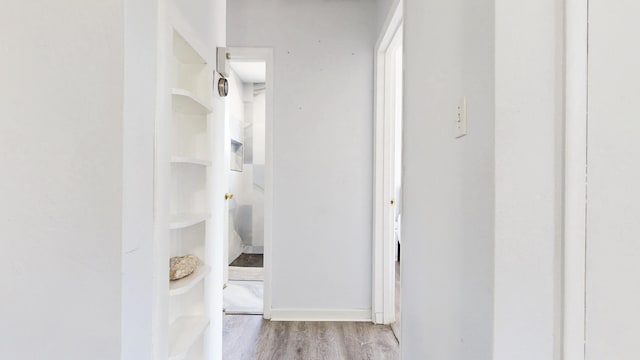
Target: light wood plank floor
x=248, y=337
x=396, y=326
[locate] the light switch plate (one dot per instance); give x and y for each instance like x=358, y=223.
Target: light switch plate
x=461, y=118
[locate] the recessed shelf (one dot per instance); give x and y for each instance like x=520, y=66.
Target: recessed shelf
x=184, y=52
x=190, y=71
x=183, y=333
x=189, y=160
x=185, y=101
x=179, y=287
x=184, y=220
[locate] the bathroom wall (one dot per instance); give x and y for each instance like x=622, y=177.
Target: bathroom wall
x=239, y=182
x=247, y=125
x=258, y=150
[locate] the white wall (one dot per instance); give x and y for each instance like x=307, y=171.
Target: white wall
x=61, y=139
x=247, y=125
x=529, y=110
x=613, y=229
x=208, y=18
x=259, y=136
x=140, y=75
x=448, y=213
x=323, y=133
x=384, y=9
x=239, y=182
x=259, y=123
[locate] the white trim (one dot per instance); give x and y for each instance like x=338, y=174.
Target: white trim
x=161, y=183
x=575, y=179
x=266, y=55
x=353, y=315
x=218, y=225
x=383, y=286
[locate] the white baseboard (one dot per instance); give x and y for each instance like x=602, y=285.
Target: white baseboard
x=378, y=318
x=356, y=315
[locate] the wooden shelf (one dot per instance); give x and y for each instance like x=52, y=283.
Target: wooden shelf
x=183, y=333
x=185, y=101
x=180, y=221
x=189, y=160
x=179, y=287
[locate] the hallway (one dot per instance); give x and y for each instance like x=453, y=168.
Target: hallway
x=248, y=337
x=124, y=137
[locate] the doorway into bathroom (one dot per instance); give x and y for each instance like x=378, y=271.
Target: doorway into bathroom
x=247, y=109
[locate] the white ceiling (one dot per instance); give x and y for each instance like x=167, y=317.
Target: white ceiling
x=250, y=72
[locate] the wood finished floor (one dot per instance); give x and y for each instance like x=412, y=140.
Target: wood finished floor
x=396, y=326
x=248, y=337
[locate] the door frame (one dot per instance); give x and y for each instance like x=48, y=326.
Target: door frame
x=575, y=178
x=250, y=54
x=383, y=285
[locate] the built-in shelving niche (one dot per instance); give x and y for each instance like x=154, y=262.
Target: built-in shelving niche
x=185, y=337
x=191, y=97
x=191, y=71
x=189, y=138
x=188, y=190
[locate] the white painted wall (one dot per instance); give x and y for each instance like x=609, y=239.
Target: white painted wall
x=208, y=18
x=323, y=132
x=61, y=139
x=448, y=212
x=384, y=8
x=140, y=81
x=259, y=108
x=529, y=122
x=239, y=182
x=613, y=229
x=247, y=119
x=259, y=137
x=575, y=170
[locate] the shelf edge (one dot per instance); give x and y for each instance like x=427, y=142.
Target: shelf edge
x=185, y=284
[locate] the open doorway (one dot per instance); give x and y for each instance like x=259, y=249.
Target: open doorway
x=394, y=60
x=248, y=123
x=388, y=175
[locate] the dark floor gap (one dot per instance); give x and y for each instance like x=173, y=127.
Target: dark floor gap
x=249, y=260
